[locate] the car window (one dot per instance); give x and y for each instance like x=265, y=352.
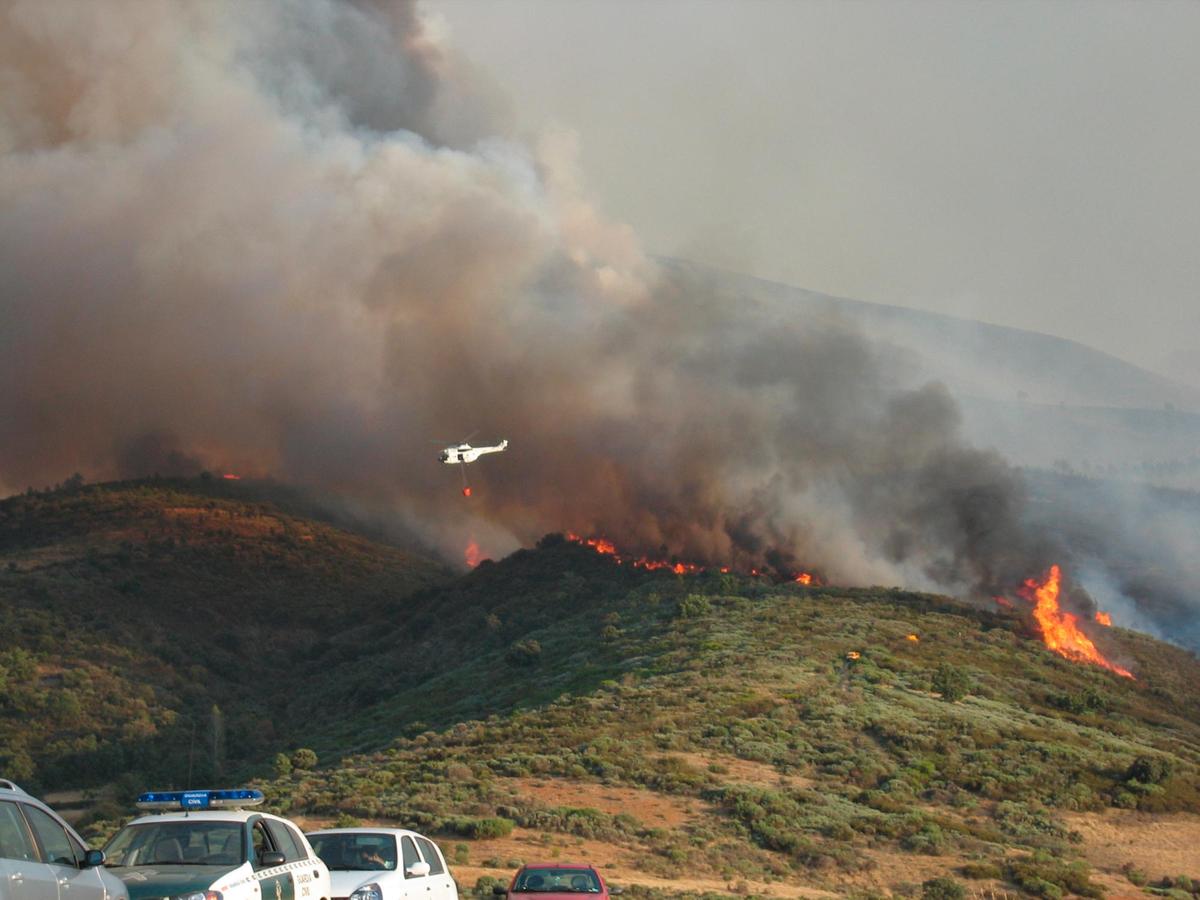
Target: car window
x=57, y=847
x=196, y=842
x=355, y=851
x=301, y=849
x=430, y=852
x=558, y=880
x=283, y=840
x=409, y=849
x=15, y=840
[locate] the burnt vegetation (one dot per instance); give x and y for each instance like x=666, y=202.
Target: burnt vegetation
x=161, y=626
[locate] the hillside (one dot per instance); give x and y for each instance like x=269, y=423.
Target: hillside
x=713, y=730
x=708, y=733
x=156, y=627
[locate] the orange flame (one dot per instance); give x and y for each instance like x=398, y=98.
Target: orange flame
x=1060, y=629
x=229, y=476
x=466, y=492
x=606, y=547
x=911, y=637
x=472, y=554
x=1104, y=619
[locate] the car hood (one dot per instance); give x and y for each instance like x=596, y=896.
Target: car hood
x=345, y=881
x=144, y=882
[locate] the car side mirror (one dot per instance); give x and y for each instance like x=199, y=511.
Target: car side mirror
x=417, y=870
x=270, y=858
x=499, y=890
x=92, y=858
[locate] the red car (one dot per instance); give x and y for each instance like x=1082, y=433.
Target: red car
x=556, y=881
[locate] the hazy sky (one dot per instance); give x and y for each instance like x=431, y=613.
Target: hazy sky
x=1030, y=164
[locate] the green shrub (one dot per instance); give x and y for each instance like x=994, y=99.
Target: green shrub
x=484, y=829
x=523, y=653
x=981, y=870
x=1046, y=876
x=1149, y=770
x=485, y=883
x=694, y=606
x=942, y=888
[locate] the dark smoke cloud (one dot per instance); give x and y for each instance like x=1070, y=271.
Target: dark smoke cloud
x=295, y=239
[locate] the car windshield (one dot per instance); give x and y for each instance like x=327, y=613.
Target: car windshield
x=176, y=843
x=580, y=881
x=360, y=851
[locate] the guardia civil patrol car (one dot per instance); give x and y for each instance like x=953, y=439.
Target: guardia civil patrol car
x=208, y=845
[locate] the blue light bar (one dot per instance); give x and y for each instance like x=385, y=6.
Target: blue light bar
x=188, y=800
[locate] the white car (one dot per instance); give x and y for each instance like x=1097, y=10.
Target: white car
x=383, y=864
x=210, y=847
x=42, y=858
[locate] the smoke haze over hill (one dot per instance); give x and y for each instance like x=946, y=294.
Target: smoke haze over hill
x=300, y=241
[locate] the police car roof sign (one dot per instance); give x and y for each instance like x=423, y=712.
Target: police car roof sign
x=187, y=800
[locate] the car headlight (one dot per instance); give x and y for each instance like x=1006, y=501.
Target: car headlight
x=368, y=892
x=198, y=895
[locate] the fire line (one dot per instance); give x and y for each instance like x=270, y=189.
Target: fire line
x=1060, y=629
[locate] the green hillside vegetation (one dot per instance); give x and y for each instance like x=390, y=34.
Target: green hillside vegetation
x=156, y=628
x=494, y=703
x=969, y=741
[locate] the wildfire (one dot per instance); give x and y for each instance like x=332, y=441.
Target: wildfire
x=472, y=554
x=229, y=476
x=466, y=492
x=1060, y=629
x=912, y=637
x=606, y=547
x=1103, y=618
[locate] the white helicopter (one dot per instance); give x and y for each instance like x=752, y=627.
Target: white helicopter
x=462, y=453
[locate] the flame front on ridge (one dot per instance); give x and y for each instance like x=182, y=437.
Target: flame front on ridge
x=605, y=547
x=1060, y=629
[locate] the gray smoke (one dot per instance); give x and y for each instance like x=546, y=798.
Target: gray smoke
x=296, y=239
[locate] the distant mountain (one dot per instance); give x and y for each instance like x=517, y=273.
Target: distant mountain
x=1041, y=400
x=975, y=358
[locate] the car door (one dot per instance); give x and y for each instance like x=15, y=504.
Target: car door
x=24, y=875
x=439, y=875
x=64, y=855
x=276, y=882
x=312, y=878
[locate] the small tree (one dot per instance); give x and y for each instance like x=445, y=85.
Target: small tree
x=951, y=682
x=283, y=765
x=304, y=759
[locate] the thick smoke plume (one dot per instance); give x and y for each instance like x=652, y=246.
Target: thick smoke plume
x=296, y=239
